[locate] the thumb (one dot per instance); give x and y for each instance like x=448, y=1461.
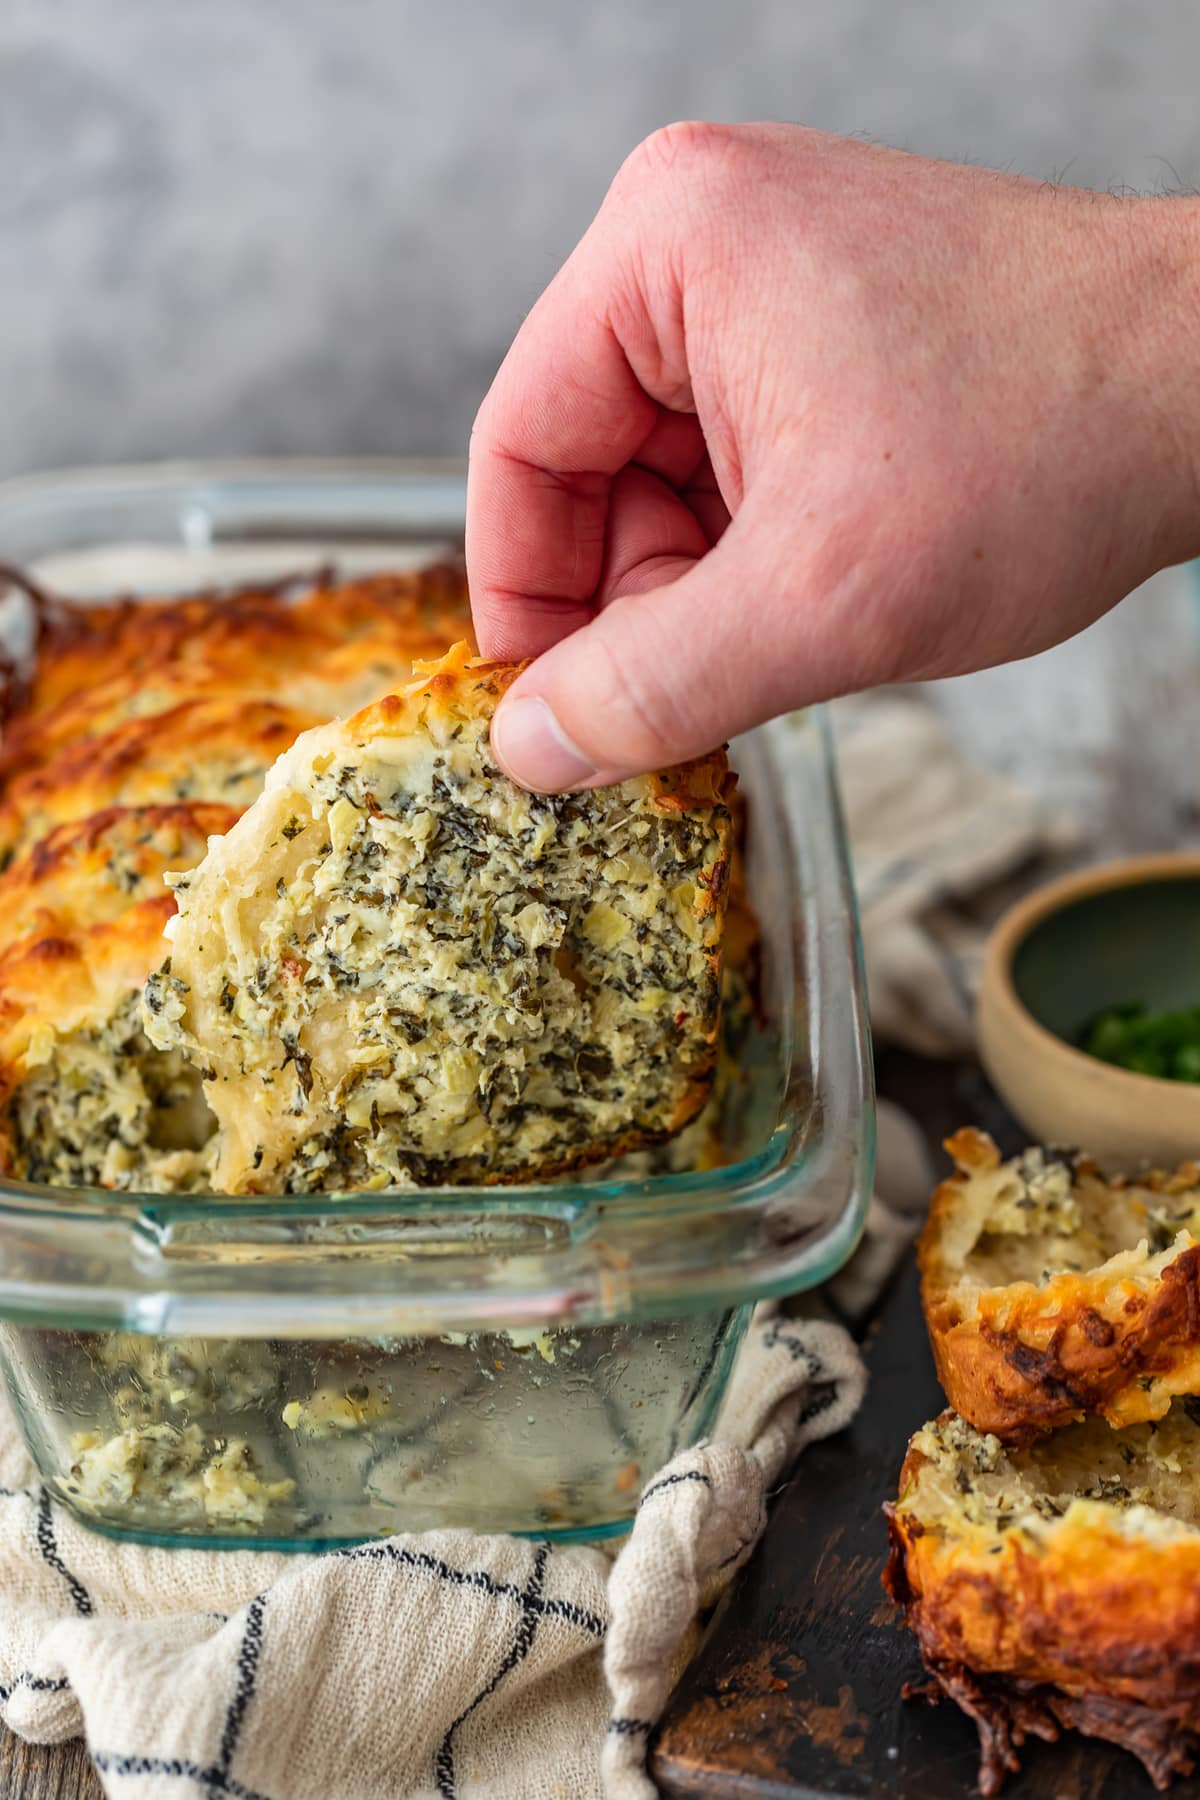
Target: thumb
x=660, y=676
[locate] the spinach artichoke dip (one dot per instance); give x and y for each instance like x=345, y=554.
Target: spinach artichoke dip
x=87, y=1102
x=396, y=968
x=139, y=730
x=399, y=967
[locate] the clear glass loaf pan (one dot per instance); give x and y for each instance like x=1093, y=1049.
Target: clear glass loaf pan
x=315, y=1371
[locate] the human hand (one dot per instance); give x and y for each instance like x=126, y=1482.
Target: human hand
x=800, y=416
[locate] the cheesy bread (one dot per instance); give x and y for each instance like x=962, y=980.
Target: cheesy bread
x=1051, y=1293
x=1058, y=1585
x=399, y=966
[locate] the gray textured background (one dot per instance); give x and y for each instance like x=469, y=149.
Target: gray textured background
x=312, y=225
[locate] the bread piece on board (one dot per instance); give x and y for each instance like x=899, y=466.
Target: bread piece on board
x=1051, y=1292
x=1058, y=1584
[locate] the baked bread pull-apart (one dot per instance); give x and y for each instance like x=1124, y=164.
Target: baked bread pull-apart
x=322, y=647
x=1058, y=1585
x=1051, y=1293
x=399, y=966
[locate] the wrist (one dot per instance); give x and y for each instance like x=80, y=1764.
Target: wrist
x=1150, y=276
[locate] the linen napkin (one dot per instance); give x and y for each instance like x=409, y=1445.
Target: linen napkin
x=932, y=835
x=454, y=1665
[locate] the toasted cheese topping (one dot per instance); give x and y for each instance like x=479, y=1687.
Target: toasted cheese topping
x=203, y=749
x=91, y=871
x=1143, y=1481
x=1051, y=1291
x=326, y=650
x=1039, y=1216
x=399, y=966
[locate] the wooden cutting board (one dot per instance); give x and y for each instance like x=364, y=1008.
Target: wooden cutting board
x=797, y=1690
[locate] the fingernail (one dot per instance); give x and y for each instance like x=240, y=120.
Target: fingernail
x=530, y=745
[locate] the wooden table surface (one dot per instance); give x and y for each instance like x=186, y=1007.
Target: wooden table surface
x=37, y=1772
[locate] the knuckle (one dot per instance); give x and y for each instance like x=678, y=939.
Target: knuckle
x=683, y=152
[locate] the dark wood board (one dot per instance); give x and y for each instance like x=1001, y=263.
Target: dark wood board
x=796, y=1691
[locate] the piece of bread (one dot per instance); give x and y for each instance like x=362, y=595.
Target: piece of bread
x=398, y=966
x=1058, y=1584
x=85, y=1100
x=130, y=706
x=1051, y=1292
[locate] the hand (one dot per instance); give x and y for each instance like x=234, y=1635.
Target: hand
x=800, y=416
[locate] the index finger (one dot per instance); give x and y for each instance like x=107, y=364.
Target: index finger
x=565, y=414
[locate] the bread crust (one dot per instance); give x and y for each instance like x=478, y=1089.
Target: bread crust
x=1121, y=1338
x=1076, y=1622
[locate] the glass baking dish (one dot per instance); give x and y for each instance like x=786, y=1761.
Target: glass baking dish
x=303, y=1372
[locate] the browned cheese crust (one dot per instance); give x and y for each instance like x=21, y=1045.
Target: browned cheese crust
x=1051, y=1292
x=329, y=649
x=90, y=871
x=204, y=749
x=1057, y=1586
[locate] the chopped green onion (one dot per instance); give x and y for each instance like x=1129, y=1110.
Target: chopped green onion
x=1165, y=1044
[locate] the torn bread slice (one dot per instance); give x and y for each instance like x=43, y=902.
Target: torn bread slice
x=1058, y=1585
x=398, y=966
x=1051, y=1292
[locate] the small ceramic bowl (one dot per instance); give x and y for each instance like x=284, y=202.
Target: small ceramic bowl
x=1104, y=936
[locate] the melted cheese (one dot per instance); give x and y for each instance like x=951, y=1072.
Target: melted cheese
x=1143, y=1481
